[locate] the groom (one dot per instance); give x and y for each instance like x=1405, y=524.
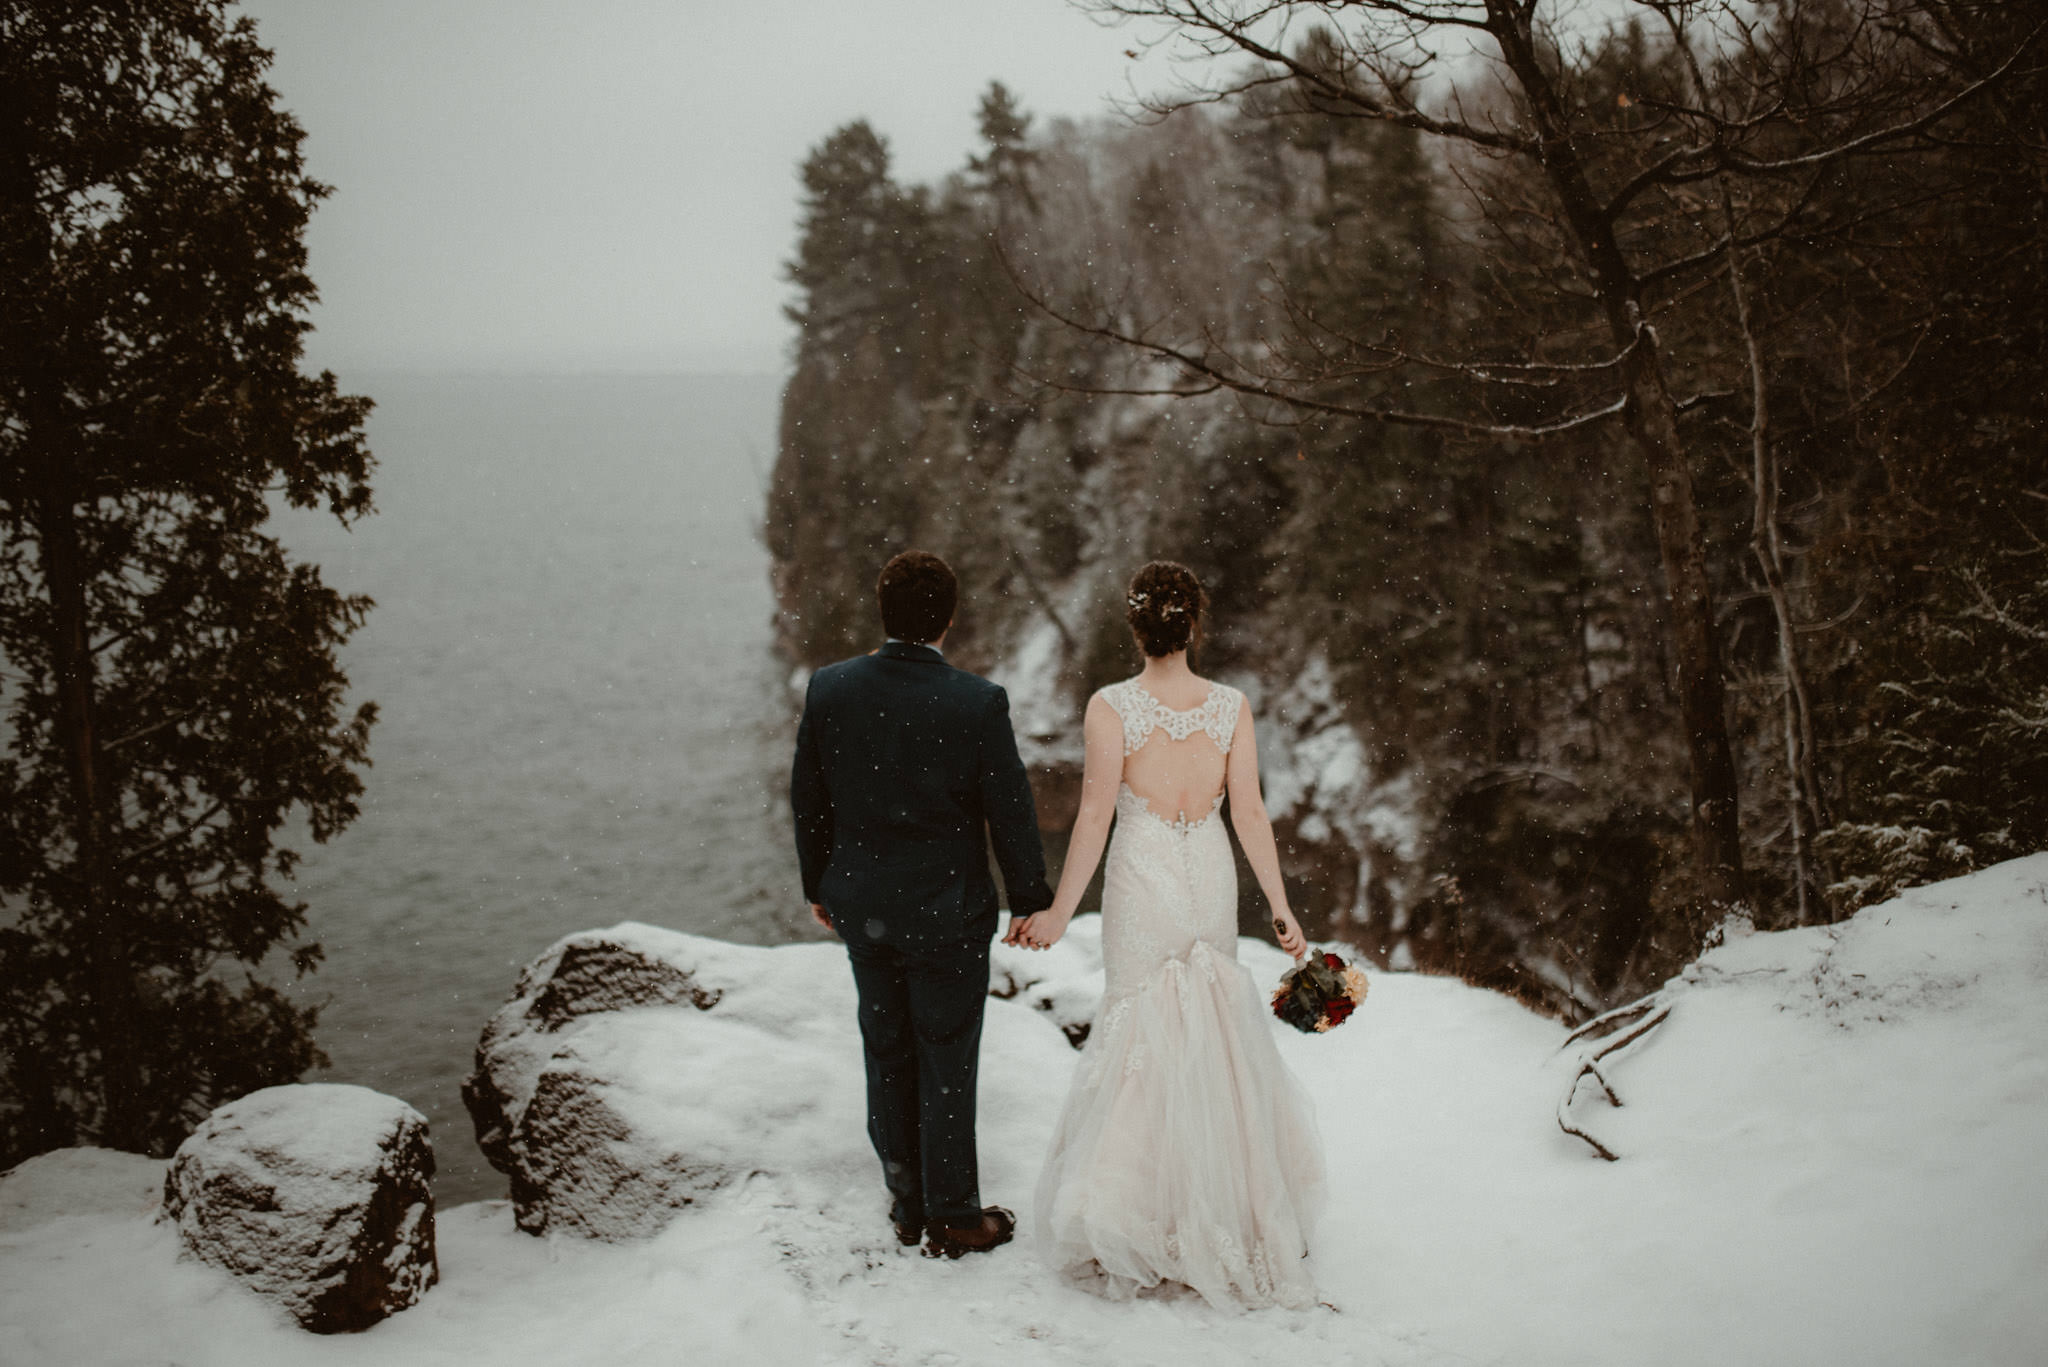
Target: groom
x=902, y=763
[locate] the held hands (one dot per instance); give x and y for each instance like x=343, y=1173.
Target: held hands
x=1042, y=930
x=1039, y=930
x=1287, y=931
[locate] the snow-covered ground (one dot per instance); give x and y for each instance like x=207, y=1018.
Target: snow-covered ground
x=1835, y=1150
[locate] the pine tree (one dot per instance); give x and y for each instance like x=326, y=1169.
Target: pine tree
x=1003, y=168
x=1953, y=773
x=864, y=251
x=170, y=681
x=850, y=208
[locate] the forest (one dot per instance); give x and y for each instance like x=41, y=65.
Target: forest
x=1616, y=458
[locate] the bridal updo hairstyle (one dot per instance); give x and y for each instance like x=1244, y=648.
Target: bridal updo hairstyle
x=918, y=594
x=1165, y=607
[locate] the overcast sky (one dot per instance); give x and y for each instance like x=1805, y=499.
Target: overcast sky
x=599, y=184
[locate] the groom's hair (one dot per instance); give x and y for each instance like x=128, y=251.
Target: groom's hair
x=918, y=593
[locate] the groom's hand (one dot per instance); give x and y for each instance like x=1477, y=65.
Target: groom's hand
x=1021, y=934
x=818, y=915
x=1039, y=930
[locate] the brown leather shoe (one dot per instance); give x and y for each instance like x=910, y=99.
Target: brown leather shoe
x=908, y=1233
x=995, y=1228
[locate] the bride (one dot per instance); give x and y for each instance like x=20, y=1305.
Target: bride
x=1186, y=1152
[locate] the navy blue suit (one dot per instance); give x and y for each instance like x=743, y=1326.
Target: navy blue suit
x=906, y=773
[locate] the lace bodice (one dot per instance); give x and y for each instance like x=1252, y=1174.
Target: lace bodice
x=1142, y=714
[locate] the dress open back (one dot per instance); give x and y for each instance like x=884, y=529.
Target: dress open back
x=1186, y=1152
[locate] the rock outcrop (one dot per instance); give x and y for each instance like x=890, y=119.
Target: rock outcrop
x=637, y=1069
x=315, y=1195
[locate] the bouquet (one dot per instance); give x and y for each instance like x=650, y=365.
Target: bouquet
x=1319, y=993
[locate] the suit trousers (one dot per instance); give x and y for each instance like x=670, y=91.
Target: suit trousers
x=920, y=1028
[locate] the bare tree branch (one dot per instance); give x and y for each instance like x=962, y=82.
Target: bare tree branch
x=1237, y=34
x=1700, y=161
x=1240, y=384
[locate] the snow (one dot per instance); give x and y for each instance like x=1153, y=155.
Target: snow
x=1832, y=1151
x=1064, y=982
x=1315, y=762
x=79, y=1182
x=350, y=1142
x=1040, y=711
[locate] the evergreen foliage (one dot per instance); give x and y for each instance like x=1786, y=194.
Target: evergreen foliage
x=170, y=681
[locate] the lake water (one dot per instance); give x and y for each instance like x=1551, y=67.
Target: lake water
x=583, y=722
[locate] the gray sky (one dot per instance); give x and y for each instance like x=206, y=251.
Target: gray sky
x=605, y=184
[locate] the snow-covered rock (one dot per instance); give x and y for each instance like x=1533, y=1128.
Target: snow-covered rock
x=1063, y=983
x=80, y=1181
x=316, y=1195
x=578, y=976
x=637, y=1069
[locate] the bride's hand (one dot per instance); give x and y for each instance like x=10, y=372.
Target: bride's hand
x=1287, y=931
x=1039, y=930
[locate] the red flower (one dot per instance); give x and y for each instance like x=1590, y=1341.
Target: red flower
x=1338, y=1008
x=1332, y=961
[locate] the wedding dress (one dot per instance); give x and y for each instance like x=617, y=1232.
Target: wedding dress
x=1186, y=1151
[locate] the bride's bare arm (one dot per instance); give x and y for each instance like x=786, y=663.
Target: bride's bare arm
x=1255, y=831
x=1102, y=769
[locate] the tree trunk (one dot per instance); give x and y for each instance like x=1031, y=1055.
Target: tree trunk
x=105, y=940
x=1802, y=790
x=1651, y=420
x=1803, y=800
x=52, y=491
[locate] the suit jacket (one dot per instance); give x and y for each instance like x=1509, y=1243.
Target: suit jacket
x=902, y=763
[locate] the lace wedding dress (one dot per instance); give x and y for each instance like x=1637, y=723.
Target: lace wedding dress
x=1186, y=1152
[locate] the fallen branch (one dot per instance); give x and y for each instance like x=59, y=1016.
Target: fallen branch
x=1612, y=1020
x=1647, y=1013
x=1563, y=1124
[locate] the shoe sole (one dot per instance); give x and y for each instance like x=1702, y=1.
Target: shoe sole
x=946, y=1248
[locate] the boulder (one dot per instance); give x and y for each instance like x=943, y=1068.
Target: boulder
x=317, y=1196
x=636, y=1070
